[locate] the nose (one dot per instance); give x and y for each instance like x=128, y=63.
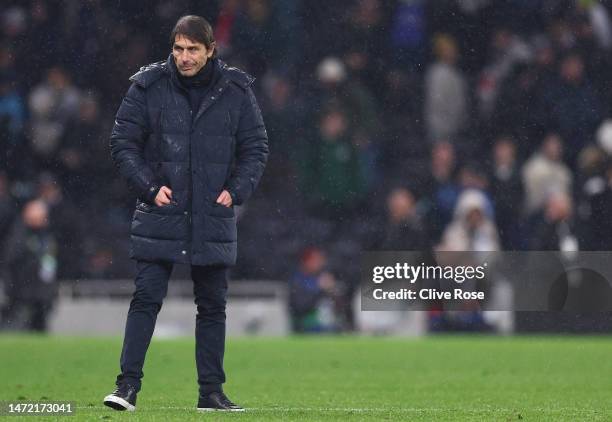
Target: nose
x=183, y=56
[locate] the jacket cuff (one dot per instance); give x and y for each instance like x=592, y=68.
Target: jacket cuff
x=152, y=193
x=235, y=199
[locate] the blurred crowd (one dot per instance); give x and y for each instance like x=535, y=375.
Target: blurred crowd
x=399, y=124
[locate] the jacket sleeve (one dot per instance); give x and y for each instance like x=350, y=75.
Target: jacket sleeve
x=251, y=151
x=130, y=132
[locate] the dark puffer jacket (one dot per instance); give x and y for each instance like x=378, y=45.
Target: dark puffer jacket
x=158, y=140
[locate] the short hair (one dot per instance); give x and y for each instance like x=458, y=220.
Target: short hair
x=195, y=28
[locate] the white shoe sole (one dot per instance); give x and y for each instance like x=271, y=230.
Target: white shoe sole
x=212, y=409
x=118, y=403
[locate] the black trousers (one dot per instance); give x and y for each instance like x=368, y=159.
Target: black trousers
x=210, y=289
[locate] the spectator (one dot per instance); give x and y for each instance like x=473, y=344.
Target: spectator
x=507, y=192
x=312, y=291
x=266, y=35
x=65, y=224
x=595, y=200
x=280, y=108
x=224, y=28
x=7, y=211
x=31, y=262
x=334, y=85
x=404, y=230
x=333, y=179
x=554, y=227
x=442, y=189
x=53, y=104
x=80, y=169
x=12, y=108
x=12, y=119
x=446, y=102
x=409, y=33
x=42, y=35
x=599, y=20
x=364, y=39
x=573, y=106
x=545, y=172
x=472, y=175
x=520, y=109
x=473, y=227
x=507, y=51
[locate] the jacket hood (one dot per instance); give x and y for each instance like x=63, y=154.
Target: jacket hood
x=472, y=199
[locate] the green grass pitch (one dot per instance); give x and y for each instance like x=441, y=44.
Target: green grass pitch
x=328, y=378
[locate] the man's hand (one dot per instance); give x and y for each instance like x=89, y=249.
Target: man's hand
x=225, y=199
x=164, y=196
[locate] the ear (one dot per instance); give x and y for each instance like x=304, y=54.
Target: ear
x=211, y=50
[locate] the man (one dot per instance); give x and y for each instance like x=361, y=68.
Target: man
x=31, y=268
x=190, y=140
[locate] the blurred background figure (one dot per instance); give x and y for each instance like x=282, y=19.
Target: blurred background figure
x=313, y=295
x=7, y=211
x=31, y=270
x=442, y=189
x=507, y=192
x=333, y=178
x=473, y=227
x=12, y=120
x=573, y=107
x=472, y=236
x=446, y=101
x=403, y=229
x=553, y=228
x=545, y=171
x=53, y=103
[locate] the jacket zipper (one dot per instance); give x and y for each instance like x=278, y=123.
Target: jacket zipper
x=191, y=179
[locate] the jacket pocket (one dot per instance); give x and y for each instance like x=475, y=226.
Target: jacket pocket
x=156, y=226
x=143, y=206
x=218, y=210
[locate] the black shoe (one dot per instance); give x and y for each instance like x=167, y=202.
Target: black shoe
x=123, y=398
x=217, y=401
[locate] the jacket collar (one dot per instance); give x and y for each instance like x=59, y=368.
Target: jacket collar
x=224, y=76
x=148, y=74
x=235, y=75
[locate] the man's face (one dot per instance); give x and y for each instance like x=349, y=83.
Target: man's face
x=190, y=56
